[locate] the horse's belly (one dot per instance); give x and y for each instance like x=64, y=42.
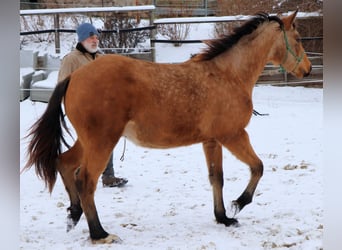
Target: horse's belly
x=131, y=133
x=154, y=137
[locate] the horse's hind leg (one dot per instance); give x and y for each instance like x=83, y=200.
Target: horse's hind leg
x=93, y=163
x=213, y=153
x=241, y=147
x=68, y=164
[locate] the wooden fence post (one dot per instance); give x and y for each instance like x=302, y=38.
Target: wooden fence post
x=153, y=34
x=57, y=40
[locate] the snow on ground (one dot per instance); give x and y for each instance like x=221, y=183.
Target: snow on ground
x=167, y=203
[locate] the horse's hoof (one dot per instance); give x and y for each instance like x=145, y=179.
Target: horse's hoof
x=228, y=222
x=223, y=219
x=111, y=238
x=234, y=223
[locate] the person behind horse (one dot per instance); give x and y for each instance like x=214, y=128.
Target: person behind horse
x=86, y=51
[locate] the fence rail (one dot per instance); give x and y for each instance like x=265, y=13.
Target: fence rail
x=85, y=10
x=269, y=75
x=273, y=74
x=24, y=33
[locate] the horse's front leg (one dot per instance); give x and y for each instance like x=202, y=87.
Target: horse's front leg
x=240, y=146
x=213, y=154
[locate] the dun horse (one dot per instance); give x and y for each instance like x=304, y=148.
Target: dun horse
x=207, y=99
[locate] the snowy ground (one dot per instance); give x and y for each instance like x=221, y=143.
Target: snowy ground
x=167, y=203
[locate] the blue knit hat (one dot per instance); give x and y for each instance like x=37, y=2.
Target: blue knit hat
x=86, y=30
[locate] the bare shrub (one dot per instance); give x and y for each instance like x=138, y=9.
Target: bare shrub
x=311, y=27
x=225, y=28
x=247, y=7
x=37, y=23
x=122, y=42
x=174, y=31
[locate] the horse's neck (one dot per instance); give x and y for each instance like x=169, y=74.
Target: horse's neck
x=248, y=58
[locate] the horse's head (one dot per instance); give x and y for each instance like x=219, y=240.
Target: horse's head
x=289, y=52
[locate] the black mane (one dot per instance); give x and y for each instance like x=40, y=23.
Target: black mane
x=217, y=46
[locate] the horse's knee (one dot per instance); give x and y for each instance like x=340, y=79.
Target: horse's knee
x=216, y=178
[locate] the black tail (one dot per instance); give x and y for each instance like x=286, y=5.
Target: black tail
x=47, y=135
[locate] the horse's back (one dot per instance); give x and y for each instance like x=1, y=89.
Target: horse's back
x=155, y=105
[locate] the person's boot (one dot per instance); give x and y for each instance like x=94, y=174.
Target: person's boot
x=112, y=181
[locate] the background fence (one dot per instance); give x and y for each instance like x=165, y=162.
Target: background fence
x=271, y=74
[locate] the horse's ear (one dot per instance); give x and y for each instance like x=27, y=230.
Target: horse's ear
x=289, y=20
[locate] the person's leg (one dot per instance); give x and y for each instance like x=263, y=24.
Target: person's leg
x=109, y=171
x=108, y=176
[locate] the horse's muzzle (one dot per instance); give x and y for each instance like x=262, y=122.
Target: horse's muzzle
x=308, y=72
